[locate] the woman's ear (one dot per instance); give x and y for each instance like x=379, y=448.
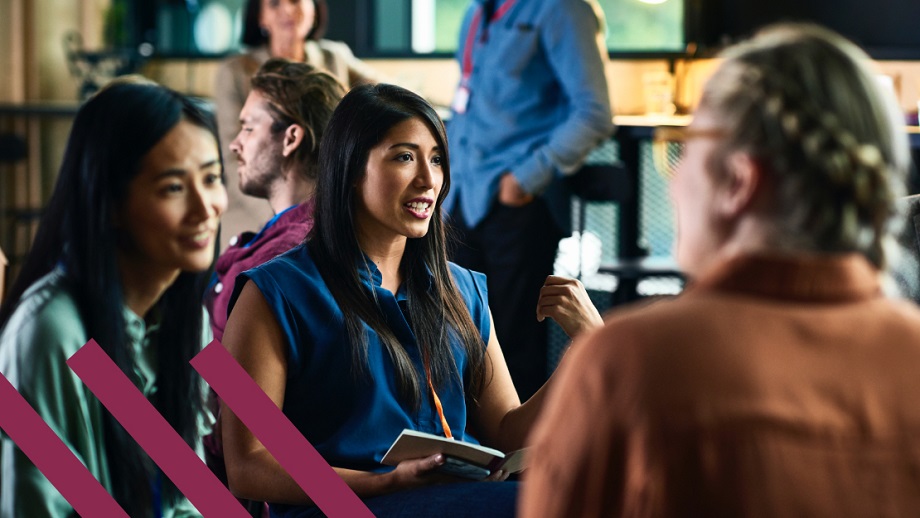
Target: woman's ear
x=742, y=186
x=293, y=136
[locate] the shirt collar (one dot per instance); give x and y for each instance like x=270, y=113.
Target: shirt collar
x=803, y=278
x=370, y=275
x=269, y=225
x=138, y=337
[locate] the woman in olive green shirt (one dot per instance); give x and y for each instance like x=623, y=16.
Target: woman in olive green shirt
x=121, y=256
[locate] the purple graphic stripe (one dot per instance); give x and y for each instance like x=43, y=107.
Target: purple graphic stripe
x=266, y=421
x=52, y=457
x=151, y=431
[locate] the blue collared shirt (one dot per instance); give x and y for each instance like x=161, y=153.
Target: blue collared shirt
x=538, y=103
x=351, y=421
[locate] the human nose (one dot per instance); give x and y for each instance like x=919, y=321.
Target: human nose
x=235, y=146
x=207, y=201
x=428, y=175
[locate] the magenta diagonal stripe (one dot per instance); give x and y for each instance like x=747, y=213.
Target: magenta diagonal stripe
x=52, y=457
x=282, y=439
x=151, y=431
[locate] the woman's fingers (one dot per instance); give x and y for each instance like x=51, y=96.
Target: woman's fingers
x=498, y=476
x=566, y=301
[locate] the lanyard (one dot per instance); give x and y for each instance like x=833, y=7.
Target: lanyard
x=437, y=401
x=471, y=36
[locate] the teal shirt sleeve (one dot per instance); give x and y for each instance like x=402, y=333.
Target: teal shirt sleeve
x=34, y=347
x=42, y=334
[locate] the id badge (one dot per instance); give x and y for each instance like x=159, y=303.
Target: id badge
x=461, y=99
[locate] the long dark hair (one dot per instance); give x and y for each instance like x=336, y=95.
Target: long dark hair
x=436, y=310
x=111, y=134
x=252, y=32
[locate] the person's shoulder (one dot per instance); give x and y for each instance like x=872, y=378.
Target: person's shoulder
x=49, y=304
x=897, y=314
x=472, y=287
x=287, y=233
x=465, y=278
x=295, y=257
x=244, y=62
x=283, y=237
x=258, y=54
x=555, y=4
x=335, y=47
x=640, y=329
x=296, y=263
x=550, y=10
x=46, y=322
x=277, y=246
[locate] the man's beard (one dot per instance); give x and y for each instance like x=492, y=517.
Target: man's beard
x=258, y=180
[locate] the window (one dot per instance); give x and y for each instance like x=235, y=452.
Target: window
x=398, y=28
x=632, y=25
x=412, y=27
x=436, y=25
x=644, y=25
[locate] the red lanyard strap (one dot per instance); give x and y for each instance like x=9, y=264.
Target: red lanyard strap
x=471, y=35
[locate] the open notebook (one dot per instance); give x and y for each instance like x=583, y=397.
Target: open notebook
x=412, y=444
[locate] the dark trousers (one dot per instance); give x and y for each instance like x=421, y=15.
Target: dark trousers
x=516, y=249
x=457, y=500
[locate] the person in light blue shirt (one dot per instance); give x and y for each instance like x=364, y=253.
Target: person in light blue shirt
x=531, y=104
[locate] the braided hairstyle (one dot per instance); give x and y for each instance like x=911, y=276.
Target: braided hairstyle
x=803, y=102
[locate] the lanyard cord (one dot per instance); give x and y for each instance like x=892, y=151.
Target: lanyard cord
x=437, y=400
x=471, y=35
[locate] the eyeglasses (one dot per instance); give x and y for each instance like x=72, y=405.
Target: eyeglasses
x=668, y=145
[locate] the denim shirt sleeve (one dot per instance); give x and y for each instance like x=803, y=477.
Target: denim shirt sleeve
x=571, y=46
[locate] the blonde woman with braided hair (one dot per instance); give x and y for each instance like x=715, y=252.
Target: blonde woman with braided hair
x=782, y=382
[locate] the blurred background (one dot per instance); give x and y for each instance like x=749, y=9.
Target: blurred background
x=53, y=53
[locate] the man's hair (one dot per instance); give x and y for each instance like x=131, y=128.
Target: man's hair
x=803, y=101
x=298, y=93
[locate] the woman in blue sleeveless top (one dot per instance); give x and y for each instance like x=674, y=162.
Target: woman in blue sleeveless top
x=367, y=330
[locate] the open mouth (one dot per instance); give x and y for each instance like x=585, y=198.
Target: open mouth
x=202, y=237
x=419, y=209
x=199, y=240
